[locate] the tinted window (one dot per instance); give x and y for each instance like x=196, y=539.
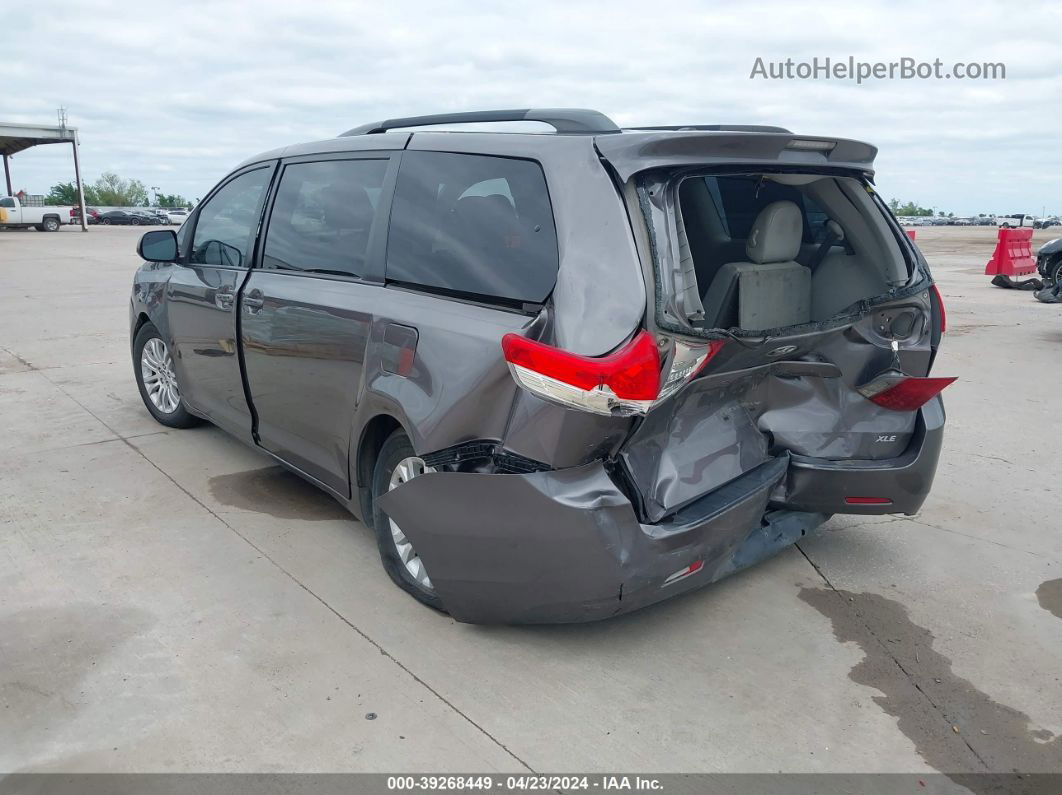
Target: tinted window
x=473, y=225
x=323, y=214
x=224, y=233
x=7, y=202
x=740, y=200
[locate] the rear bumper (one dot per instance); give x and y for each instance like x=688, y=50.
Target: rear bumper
x=566, y=545
x=816, y=484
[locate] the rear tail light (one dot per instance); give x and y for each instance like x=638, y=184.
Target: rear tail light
x=943, y=316
x=868, y=500
x=899, y=392
x=623, y=383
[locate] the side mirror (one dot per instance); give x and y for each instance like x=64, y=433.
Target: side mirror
x=158, y=245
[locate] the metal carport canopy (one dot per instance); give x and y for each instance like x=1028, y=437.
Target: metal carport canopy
x=18, y=136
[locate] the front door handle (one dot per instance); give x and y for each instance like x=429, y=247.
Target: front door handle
x=223, y=298
x=254, y=301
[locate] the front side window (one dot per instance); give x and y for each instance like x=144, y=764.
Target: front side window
x=224, y=233
x=473, y=225
x=7, y=202
x=322, y=216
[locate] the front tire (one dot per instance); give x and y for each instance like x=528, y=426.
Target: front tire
x=157, y=380
x=106, y=222
x=396, y=463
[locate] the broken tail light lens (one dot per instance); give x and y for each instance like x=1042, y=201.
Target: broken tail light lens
x=903, y=393
x=686, y=362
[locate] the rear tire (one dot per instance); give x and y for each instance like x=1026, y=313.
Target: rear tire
x=50, y=225
x=106, y=222
x=157, y=381
x=397, y=450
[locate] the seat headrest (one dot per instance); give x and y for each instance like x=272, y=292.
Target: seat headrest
x=776, y=234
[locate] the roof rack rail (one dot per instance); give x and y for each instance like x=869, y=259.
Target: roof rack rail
x=717, y=128
x=563, y=120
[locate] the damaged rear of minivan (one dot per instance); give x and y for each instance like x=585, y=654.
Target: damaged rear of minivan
x=780, y=374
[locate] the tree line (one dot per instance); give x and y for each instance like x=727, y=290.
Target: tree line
x=110, y=190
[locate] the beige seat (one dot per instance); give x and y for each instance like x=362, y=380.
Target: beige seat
x=772, y=289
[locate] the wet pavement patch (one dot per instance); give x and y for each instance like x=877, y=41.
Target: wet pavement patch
x=277, y=492
x=954, y=726
x=1049, y=595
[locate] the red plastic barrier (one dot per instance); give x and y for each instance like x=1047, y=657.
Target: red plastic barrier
x=910, y=233
x=1013, y=255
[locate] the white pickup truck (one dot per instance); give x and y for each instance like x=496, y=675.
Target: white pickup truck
x=1015, y=221
x=13, y=215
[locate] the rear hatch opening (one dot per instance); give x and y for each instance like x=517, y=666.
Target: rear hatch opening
x=755, y=252
x=823, y=323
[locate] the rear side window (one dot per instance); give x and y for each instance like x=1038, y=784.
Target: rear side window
x=473, y=225
x=6, y=202
x=322, y=216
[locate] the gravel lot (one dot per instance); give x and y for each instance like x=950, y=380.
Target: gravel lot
x=171, y=602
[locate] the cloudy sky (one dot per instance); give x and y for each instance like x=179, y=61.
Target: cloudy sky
x=175, y=94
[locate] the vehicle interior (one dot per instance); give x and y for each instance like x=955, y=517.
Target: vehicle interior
x=765, y=251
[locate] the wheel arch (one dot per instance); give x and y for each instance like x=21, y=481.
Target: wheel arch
x=373, y=434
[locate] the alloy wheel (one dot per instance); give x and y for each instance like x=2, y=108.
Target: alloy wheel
x=405, y=470
x=157, y=373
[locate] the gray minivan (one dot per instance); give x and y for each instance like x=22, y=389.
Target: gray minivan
x=561, y=375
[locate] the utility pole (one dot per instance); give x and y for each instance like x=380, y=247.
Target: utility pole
x=77, y=169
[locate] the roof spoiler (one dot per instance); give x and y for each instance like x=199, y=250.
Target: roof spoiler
x=634, y=152
x=577, y=121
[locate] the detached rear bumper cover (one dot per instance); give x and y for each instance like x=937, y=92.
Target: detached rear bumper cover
x=566, y=545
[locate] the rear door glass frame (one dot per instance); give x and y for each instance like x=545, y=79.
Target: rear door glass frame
x=374, y=257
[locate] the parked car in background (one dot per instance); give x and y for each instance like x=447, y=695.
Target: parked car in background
x=120, y=217
x=1015, y=221
x=14, y=215
x=147, y=217
x=561, y=376
x=1046, y=223
x=92, y=215
x=176, y=216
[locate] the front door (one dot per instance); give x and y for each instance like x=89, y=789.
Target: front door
x=201, y=299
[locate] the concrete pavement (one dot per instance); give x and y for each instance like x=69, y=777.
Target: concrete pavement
x=171, y=601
